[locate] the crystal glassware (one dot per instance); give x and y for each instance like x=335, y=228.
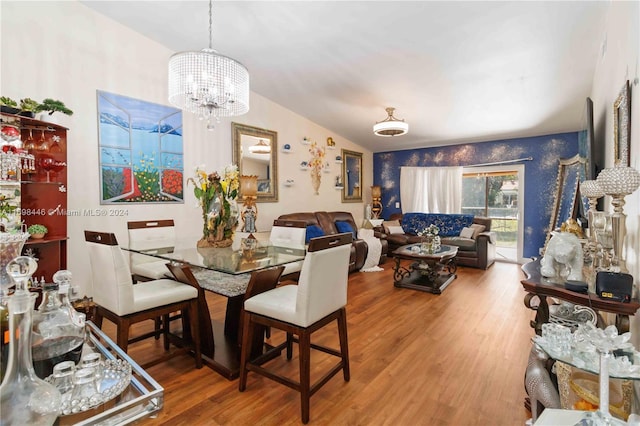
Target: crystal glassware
x=25, y=399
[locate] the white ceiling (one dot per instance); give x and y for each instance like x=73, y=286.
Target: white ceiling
x=455, y=71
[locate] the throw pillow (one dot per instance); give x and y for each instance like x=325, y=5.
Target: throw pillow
x=466, y=232
x=343, y=226
x=313, y=231
x=387, y=223
x=477, y=229
x=395, y=230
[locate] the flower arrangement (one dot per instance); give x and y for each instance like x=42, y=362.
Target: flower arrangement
x=431, y=230
x=216, y=196
x=431, y=239
x=316, y=164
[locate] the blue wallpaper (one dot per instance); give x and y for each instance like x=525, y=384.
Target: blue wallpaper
x=540, y=173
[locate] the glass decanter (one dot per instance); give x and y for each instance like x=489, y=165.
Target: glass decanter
x=63, y=279
x=25, y=399
x=58, y=332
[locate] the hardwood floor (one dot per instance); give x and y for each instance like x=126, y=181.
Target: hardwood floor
x=416, y=359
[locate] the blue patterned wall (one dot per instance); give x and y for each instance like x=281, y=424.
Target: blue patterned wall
x=540, y=173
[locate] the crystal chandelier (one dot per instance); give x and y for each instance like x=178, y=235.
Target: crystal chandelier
x=208, y=84
x=390, y=126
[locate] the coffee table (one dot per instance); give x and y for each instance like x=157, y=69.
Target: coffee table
x=431, y=272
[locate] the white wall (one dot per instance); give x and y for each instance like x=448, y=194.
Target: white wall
x=64, y=50
x=621, y=62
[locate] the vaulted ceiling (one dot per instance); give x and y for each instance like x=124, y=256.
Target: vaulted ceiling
x=455, y=71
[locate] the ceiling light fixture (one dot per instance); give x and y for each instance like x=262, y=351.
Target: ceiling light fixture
x=208, y=84
x=390, y=126
x=260, y=148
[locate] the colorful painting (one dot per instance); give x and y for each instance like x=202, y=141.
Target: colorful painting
x=141, y=155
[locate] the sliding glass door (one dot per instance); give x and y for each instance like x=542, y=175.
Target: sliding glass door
x=495, y=192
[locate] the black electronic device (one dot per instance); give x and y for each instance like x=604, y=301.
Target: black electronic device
x=614, y=286
x=577, y=286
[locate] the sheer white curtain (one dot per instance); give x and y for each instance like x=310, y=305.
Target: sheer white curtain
x=431, y=189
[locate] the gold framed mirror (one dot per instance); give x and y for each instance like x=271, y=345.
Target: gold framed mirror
x=571, y=172
x=351, y=176
x=255, y=151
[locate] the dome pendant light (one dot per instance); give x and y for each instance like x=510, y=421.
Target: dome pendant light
x=391, y=126
x=208, y=84
x=261, y=147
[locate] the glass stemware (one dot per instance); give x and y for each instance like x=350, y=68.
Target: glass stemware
x=30, y=143
x=47, y=164
x=55, y=145
x=42, y=142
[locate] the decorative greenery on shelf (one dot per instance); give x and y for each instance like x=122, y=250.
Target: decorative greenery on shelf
x=37, y=229
x=6, y=101
x=51, y=106
x=28, y=104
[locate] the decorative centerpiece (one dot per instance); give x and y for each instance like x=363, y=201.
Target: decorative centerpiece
x=217, y=198
x=316, y=164
x=430, y=239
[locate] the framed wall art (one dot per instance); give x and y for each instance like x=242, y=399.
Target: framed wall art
x=622, y=126
x=141, y=154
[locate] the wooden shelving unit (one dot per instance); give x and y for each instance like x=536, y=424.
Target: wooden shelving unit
x=43, y=196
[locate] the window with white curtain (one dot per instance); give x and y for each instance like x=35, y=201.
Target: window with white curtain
x=431, y=189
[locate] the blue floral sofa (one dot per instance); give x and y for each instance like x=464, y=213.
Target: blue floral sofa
x=477, y=250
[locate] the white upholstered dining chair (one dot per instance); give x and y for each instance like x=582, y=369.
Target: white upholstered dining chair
x=299, y=310
x=289, y=234
x=158, y=235
x=123, y=303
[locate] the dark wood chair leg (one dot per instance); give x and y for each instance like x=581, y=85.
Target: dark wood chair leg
x=305, y=373
x=344, y=343
x=247, y=336
x=97, y=317
x=157, y=327
x=289, y=346
x=123, y=334
x=165, y=330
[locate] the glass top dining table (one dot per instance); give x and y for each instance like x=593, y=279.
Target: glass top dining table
x=246, y=254
x=225, y=271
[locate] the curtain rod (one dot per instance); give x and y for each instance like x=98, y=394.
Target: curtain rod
x=500, y=162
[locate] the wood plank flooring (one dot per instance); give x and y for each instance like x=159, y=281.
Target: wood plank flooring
x=416, y=359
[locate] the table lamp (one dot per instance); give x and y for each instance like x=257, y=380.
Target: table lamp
x=376, y=204
x=249, y=192
x=618, y=182
x=591, y=190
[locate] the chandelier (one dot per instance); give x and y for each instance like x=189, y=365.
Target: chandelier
x=390, y=126
x=260, y=148
x=208, y=84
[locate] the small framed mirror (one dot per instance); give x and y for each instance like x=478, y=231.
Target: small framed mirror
x=255, y=151
x=351, y=176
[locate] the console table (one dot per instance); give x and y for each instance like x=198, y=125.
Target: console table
x=538, y=286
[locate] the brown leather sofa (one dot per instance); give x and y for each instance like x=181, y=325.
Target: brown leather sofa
x=478, y=253
x=327, y=221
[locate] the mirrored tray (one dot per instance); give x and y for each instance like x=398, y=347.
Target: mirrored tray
x=116, y=375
